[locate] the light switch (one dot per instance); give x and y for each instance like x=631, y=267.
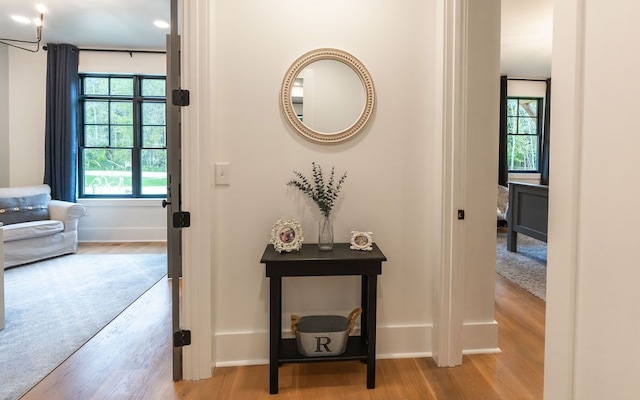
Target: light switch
x=223, y=173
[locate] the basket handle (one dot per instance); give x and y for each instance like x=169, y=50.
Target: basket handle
x=351, y=320
x=294, y=324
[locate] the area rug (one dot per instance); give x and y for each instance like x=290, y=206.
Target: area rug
x=527, y=267
x=55, y=306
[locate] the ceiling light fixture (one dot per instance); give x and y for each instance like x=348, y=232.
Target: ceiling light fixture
x=161, y=24
x=38, y=22
x=21, y=19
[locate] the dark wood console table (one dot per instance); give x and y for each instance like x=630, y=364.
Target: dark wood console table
x=310, y=261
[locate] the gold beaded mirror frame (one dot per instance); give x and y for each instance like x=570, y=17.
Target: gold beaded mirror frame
x=364, y=103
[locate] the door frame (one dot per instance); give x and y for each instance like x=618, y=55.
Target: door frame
x=196, y=188
x=567, y=108
x=451, y=100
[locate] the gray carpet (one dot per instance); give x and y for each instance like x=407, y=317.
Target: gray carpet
x=527, y=267
x=53, y=307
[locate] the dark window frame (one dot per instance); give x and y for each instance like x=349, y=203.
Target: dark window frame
x=137, y=100
x=539, y=132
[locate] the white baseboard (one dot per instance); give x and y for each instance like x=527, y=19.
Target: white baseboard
x=122, y=235
x=242, y=348
x=480, y=338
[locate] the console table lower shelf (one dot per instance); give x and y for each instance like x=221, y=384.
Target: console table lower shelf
x=310, y=261
x=356, y=350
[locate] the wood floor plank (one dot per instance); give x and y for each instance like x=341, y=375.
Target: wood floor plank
x=131, y=359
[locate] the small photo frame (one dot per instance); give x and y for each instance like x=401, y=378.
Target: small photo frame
x=286, y=235
x=361, y=240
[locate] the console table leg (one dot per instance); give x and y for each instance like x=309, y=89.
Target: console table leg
x=364, y=298
x=275, y=311
x=372, y=295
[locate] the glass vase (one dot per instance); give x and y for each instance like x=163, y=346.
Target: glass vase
x=325, y=234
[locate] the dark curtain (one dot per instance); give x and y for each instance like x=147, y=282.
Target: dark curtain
x=544, y=168
x=503, y=171
x=60, y=157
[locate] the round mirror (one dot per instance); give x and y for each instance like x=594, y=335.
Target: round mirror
x=327, y=96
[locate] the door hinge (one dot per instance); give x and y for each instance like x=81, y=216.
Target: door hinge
x=181, y=338
x=181, y=219
x=180, y=97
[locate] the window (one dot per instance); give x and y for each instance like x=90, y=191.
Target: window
x=122, y=136
x=524, y=134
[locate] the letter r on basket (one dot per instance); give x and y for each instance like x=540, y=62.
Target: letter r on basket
x=321, y=343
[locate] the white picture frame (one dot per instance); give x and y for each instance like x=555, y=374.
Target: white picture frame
x=286, y=235
x=361, y=240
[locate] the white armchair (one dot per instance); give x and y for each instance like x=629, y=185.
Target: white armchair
x=503, y=205
x=36, y=227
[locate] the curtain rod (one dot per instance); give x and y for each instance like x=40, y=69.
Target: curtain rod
x=527, y=79
x=126, y=51
x=130, y=52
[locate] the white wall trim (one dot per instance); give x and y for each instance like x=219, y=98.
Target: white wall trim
x=480, y=338
x=196, y=282
x=448, y=294
x=489, y=350
x=567, y=105
x=107, y=235
x=239, y=348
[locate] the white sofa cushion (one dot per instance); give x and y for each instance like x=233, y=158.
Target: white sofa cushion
x=30, y=230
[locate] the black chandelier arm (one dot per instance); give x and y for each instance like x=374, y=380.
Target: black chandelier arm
x=6, y=42
x=11, y=42
x=20, y=41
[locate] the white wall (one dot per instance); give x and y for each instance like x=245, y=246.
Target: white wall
x=593, y=317
x=378, y=195
x=523, y=88
x=123, y=220
x=122, y=63
x=4, y=115
x=389, y=189
x=27, y=88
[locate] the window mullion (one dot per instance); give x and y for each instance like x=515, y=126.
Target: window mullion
x=136, y=178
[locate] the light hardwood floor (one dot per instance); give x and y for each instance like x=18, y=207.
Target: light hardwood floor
x=131, y=359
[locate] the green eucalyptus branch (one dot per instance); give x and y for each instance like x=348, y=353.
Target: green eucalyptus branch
x=324, y=195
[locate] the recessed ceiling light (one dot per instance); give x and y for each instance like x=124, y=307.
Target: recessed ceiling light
x=21, y=19
x=161, y=24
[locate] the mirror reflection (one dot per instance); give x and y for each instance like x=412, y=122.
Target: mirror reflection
x=328, y=96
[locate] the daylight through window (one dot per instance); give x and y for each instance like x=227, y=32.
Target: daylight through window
x=122, y=133
x=524, y=134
